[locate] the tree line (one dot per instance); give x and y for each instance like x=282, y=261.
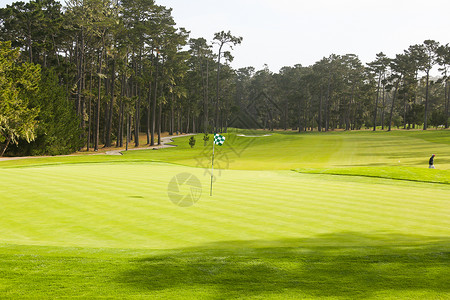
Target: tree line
x=122, y=68
x=100, y=73
x=340, y=92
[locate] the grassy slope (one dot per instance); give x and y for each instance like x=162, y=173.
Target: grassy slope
x=398, y=154
x=264, y=233
x=284, y=151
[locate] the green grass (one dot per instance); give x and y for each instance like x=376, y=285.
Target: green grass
x=345, y=265
x=98, y=226
x=286, y=151
x=400, y=173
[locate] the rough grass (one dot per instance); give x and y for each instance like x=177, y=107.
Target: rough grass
x=98, y=226
x=400, y=173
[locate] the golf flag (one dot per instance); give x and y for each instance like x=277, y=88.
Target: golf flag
x=219, y=139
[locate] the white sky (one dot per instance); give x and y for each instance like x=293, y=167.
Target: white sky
x=288, y=32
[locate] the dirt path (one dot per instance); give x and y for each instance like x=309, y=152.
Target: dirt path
x=164, y=141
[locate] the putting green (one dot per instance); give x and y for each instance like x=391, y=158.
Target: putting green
x=127, y=206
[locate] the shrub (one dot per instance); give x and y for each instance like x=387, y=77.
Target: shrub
x=192, y=141
x=205, y=139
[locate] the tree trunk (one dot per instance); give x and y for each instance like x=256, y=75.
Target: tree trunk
x=83, y=97
x=393, y=103
x=152, y=140
x=181, y=120
x=111, y=106
x=165, y=121
x=347, y=109
x=90, y=108
x=178, y=120
x=327, y=101
x=299, y=115
x=105, y=107
x=159, y=120
x=188, y=120
x=309, y=108
x=382, y=110
x=6, y=145
x=206, y=100
x=97, y=117
x=171, y=118
x=30, y=48
x=138, y=118
x=56, y=50
x=121, y=112
x=218, y=89
x=319, y=127
x=286, y=115
x=305, y=125
x=160, y=105
x=270, y=120
x=149, y=102
x=128, y=131
x=376, y=104
x=447, y=103
x=80, y=63
x=404, y=110
x=425, y=125
x=120, y=125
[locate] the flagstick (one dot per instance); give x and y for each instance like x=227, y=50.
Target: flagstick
x=212, y=170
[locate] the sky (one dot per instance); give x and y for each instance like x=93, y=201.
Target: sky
x=288, y=32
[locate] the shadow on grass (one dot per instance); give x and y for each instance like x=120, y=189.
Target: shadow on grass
x=383, y=164
x=350, y=265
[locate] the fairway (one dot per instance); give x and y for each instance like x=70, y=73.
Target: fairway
x=292, y=216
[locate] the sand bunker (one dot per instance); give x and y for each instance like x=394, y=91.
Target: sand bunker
x=253, y=135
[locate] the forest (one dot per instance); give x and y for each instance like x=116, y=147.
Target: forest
x=97, y=73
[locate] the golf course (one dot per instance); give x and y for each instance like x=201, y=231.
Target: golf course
x=338, y=215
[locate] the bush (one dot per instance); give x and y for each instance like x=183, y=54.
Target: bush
x=192, y=141
x=205, y=139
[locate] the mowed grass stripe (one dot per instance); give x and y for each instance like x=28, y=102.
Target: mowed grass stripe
x=92, y=205
x=246, y=205
x=156, y=218
x=333, y=205
x=349, y=190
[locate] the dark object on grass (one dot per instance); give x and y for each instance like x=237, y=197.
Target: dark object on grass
x=431, y=162
x=192, y=141
x=205, y=139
